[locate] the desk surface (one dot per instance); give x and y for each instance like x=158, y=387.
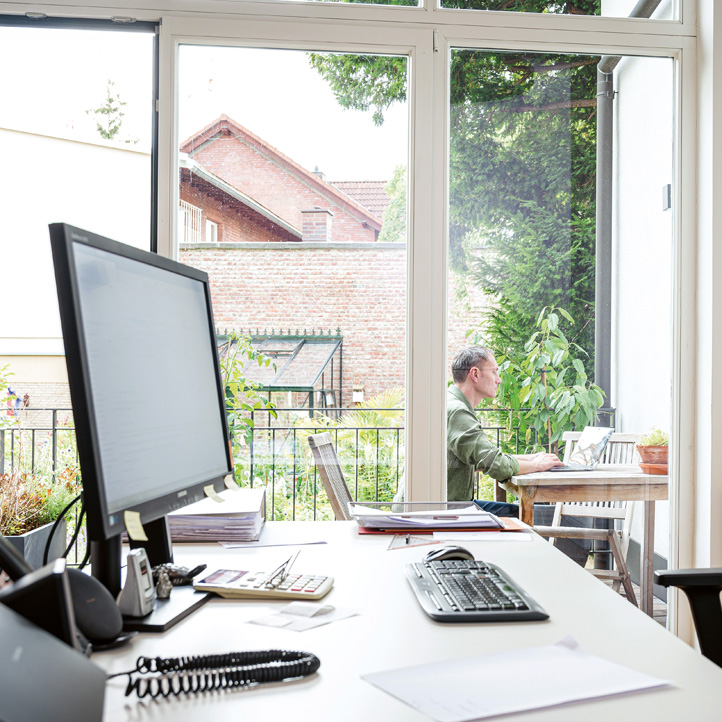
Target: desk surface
x=391, y=631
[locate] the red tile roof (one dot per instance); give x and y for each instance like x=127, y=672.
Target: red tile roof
x=369, y=194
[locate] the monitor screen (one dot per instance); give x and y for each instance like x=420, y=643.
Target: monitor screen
x=145, y=382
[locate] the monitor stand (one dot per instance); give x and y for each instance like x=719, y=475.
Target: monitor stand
x=106, y=563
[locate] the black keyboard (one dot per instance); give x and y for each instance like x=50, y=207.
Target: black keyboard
x=471, y=591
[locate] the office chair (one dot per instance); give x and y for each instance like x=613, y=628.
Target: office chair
x=702, y=587
x=331, y=473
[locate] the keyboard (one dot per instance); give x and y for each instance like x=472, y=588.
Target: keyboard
x=236, y=584
x=470, y=591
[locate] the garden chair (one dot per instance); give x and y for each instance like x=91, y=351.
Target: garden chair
x=620, y=450
x=331, y=474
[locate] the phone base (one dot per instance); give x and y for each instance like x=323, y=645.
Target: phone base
x=168, y=612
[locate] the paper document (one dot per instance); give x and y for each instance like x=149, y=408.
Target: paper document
x=229, y=516
x=470, y=517
x=480, y=687
x=300, y=616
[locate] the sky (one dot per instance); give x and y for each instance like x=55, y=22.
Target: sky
x=61, y=74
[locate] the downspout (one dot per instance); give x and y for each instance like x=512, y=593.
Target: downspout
x=604, y=200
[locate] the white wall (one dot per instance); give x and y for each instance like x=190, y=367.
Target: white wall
x=642, y=256
x=101, y=187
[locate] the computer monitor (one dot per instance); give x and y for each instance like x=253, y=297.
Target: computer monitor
x=145, y=383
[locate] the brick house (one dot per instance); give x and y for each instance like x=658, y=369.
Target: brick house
x=288, y=251
x=248, y=191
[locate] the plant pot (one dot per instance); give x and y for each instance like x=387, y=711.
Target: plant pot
x=653, y=454
x=32, y=544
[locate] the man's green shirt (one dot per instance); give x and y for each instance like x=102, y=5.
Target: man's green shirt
x=469, y=450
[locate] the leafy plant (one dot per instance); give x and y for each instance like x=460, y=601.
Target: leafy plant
x=27, y=503
x=656, y=437
x=242, y=395
x=546, y=392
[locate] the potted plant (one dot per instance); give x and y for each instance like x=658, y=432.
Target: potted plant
x=654, y=451
x=28, y=508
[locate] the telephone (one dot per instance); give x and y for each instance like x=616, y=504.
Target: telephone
x=137, y=599
x=97, y=620
x=56, y=598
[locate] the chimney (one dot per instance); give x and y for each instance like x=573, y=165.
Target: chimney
x=316, y=224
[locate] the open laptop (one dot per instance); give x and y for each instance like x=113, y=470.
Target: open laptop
x=590, y=447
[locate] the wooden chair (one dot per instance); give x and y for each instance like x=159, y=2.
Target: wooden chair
x=621, y=449
x=331, y=474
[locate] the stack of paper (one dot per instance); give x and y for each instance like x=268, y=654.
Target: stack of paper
x=238, y=517
x=469, y=517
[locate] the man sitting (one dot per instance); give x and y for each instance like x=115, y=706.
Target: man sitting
x=476, y=377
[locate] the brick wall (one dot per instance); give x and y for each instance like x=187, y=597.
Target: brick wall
x=359, y=288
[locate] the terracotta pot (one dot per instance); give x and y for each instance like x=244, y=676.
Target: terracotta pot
x=653, y=454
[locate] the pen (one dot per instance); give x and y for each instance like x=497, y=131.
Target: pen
x=408, y=536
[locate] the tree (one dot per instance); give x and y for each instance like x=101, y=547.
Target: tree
x=394, y=220
x=109, y=115
x=522, y=171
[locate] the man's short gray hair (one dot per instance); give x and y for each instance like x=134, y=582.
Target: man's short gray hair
x=466, y=359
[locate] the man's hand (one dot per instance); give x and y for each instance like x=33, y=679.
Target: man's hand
x=529, y=463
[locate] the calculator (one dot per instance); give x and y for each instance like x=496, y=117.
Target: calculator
x=236, y=584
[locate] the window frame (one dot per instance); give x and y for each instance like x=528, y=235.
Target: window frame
x=426, y=34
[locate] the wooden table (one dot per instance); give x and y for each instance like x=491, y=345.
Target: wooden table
x=609, y=482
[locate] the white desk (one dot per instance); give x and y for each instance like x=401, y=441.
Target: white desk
x=392, y=632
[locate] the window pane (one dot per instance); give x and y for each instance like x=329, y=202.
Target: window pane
x=294, y=202
x=659, y=9
x=561, y=250
x=75, y=126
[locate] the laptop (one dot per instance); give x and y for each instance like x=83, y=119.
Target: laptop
x=590, y=447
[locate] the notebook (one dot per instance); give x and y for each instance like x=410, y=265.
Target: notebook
x=590, y=448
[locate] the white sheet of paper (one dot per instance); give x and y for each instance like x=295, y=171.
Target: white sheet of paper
x=460, y=690
x=495, y=536
x=300, y=616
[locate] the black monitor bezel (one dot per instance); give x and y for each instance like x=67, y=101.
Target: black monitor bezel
x=100, y=526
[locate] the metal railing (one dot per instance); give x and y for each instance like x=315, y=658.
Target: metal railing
x=273, y=453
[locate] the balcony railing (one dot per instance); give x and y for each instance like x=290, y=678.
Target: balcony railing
x=276, y=456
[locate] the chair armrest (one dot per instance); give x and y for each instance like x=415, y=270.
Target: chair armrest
x=689, y=577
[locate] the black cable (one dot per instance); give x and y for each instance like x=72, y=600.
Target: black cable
x=61, y=516
x=190, y=675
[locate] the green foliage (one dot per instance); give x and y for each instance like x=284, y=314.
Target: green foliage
x=522, y=171
x=522, y=203
x=394, y=220
x=369, y=440
x=546, y=390
x=242, y=395
x=363, y=82
x=656, y=437
x=109, y=115
x=27, y=502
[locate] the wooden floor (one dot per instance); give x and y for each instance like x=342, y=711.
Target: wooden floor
x=659, y=608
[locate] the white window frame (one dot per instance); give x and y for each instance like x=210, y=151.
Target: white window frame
x=425, y=34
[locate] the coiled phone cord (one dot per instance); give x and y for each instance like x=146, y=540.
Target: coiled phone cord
x=191, y=675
